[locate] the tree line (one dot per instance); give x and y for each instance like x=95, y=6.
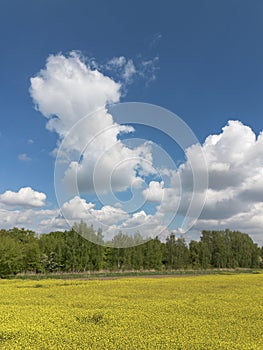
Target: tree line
x=24, y=251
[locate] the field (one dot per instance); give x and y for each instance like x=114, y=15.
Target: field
x=202, y=312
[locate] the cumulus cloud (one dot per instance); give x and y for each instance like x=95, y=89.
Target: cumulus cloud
x=15, y=218
x=77, y=208
x=111, y=167
x=235, y=163
x=109, y=215
x=25, y=197
x=235, y=168
x=109, y=218
x=29, y=218
x=66, y=91
x=155, y=191
x=234, y=196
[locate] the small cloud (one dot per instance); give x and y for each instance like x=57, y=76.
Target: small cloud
x=30, y=141
x=148, y=69
x=129, y=71
x=124, y=68
x=116, y=62
x=24, y=157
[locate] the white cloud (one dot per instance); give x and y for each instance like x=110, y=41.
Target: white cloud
x=235, y=165
x=77, y=209
x=129, y=71
x=25, y=197
x=126, y=70
x=168, y=198
x=155, y=191
x=149, y=225
x=110, y=219
x=235, y=192
x=24, y=157
x=28, y=218
x=18, y=218
x=116, y=62
x=108, y=167
x=68, y=90
x=148, y=69
x=109, y=215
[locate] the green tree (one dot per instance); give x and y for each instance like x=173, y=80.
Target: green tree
x=194, y=254
x=11, y=255
x=176, y=254
x=153, y=254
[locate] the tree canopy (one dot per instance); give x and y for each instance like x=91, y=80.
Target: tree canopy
x=23, y=250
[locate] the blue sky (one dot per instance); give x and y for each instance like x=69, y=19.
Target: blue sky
x=205, y=66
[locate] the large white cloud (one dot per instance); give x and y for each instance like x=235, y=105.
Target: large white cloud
x=25, y=197
x=235, y=192
x=235, y=163
x=67, y=90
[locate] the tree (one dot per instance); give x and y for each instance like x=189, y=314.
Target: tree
x=153, y=254
x=11, y=255
x=194, y=254
x=176, y=253
x=81, y=249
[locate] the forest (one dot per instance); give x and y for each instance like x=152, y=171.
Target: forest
x=24, y=251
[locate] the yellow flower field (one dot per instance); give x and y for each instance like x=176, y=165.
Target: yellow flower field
x=205, y=312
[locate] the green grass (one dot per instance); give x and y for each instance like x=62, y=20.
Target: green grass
x=118, y=274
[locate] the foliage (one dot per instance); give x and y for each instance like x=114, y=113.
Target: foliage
x=23, y=251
